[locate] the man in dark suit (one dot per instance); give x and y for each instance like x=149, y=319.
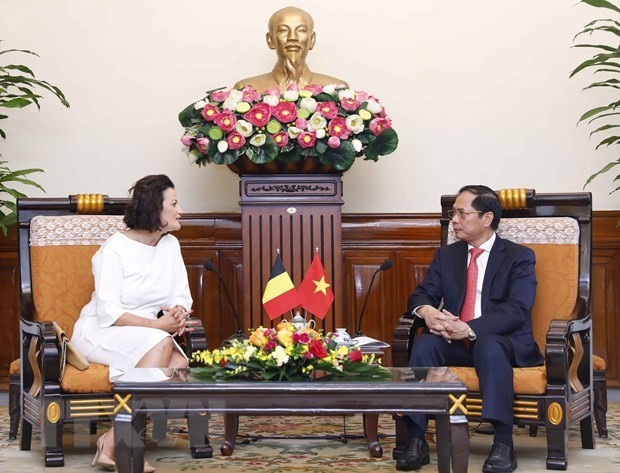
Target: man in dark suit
x=475, y=301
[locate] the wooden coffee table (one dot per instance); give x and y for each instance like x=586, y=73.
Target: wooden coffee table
x=435, y=391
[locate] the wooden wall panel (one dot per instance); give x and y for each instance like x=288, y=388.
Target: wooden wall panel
x=409, y=240
x=9, y=305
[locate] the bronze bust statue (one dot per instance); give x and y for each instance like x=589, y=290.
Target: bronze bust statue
x=291, y=34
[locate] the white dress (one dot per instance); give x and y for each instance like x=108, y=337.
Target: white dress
x=136, y=278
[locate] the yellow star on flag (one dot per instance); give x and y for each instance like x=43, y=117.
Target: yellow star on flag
x=321, y=285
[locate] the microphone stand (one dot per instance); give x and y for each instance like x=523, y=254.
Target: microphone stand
x=239, y=335
x=387, y=264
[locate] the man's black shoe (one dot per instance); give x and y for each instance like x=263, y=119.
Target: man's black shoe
x=414, y=455
x=502, y=459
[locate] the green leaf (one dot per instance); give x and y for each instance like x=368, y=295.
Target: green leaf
x=229, y=157
x=20, y=68
x=186, y=115
x=601, y=171
x=385, y=143
x=608, y=141
x=603, y=128
x=266, y=153
x=593, y=62
x=291, y=156
x=602, y=4
x=16, y=103
x=594, y=111
x=604, y=47
x=341, y=158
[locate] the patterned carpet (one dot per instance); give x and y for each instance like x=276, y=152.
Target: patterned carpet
x=270, y=445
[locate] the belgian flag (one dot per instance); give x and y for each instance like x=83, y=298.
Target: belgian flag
x=280, y=294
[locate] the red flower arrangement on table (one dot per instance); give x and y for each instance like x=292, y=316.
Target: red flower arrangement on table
x=334, y=125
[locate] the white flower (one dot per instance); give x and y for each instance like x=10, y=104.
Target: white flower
x=291, y=95
x=258, y=139
x=279, y=354
x=317, y=121
x=222, y=146
x=320, y=133
x=271, y=100
x=329, y=88
x=200, y=105
x=357, y=145
x=309, y=104
x=233, y=99
x=244, y=128
x=293, y=131
x=249, y=351
x=355, y=123
x=346, y=94
x=373, y=106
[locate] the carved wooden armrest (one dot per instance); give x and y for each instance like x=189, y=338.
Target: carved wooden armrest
x=565, y=357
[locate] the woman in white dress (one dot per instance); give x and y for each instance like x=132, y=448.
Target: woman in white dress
x=139, y=273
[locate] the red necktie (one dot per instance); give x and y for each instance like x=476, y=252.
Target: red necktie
x=467, y=311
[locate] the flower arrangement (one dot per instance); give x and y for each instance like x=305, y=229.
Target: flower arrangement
x=284, y=353
x=333, y=124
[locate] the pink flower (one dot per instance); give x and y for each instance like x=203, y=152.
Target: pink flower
x=250, y=94
x=187, y=140
x=350, y=104
x=306, y=139
x=202, y=144
x=219, y=96
x=361, y=97
x=235, y=140
x=292, y=86
x=273, y=91
x=259, y=114
x=328, y=109
x=377, y=125
x=301, y=123
x=338, y=127
x=314, y=88
x=285, y=112
x=209, y=112
x=333, y=142
x=280, y=138
x=226, y=121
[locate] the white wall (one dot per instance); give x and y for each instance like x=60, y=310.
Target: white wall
x=478, y=92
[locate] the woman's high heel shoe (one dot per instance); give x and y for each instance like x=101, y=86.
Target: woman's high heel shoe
x=148, y=468
x=101, y=459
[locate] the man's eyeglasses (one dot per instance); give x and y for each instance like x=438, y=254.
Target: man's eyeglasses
x=461, y=213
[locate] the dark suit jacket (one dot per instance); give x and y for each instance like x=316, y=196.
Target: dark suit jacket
x=508, y=292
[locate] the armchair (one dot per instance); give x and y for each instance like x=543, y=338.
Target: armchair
x=560, y=393
x=57, y=239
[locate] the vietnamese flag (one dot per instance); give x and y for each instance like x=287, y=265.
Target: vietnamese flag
x=315, y=292
x=280, y=294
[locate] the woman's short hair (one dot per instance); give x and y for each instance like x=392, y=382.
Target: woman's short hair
x=486, y=200
x=147, y=202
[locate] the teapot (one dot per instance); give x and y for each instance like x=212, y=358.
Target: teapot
x=300, y=322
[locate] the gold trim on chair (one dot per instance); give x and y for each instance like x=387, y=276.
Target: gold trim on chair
x=90, y=203
x=513, y=198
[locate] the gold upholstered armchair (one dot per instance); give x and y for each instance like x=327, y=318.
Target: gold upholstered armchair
x=560, y=393
x=57, y=239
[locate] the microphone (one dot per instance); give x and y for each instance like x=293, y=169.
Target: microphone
x=387, y=264
x=239, y=335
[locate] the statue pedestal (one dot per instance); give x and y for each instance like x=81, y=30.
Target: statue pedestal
x=295, y=213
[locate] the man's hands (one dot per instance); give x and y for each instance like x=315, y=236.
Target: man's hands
x=443, y=323
x=174, y=320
